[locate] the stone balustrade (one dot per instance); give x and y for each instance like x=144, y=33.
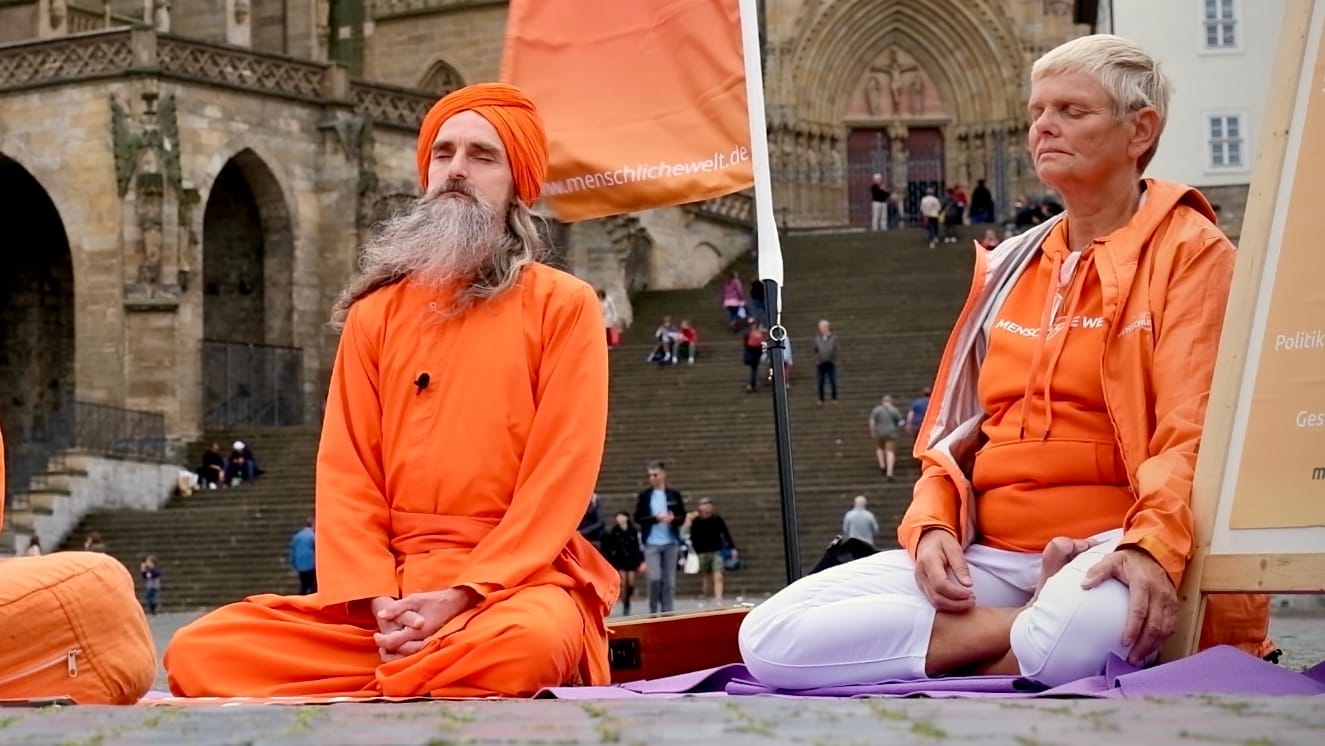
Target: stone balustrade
x=120, y=51
x=388, y=8
x=737, y=208
x=83, y=19
x=391, y=105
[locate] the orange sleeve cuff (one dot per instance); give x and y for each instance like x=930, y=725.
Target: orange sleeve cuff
x=913, y=538
x=934, y=504
x=1174, y=563
x=482, y=590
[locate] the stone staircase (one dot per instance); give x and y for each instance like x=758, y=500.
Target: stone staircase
x=218, y=546
x=892, y=302
x=6, y=536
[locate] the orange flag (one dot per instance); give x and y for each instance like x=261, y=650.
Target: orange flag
x=644, y=102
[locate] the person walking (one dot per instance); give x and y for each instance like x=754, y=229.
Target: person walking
x=151, y=575
x=659, y=511
x=885, y=425
x=621, y=547
x=825, y=354
x=859, y=522
x=709, y=536
x=302, y=558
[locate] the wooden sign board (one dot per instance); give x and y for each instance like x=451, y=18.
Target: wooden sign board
x=1258, y=498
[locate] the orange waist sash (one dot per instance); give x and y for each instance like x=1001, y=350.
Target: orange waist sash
x=579, y=565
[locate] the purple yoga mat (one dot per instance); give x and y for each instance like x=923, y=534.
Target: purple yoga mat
x=1219, y=670
x=709, y=681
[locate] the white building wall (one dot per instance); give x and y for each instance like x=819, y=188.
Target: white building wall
x=1206, y=82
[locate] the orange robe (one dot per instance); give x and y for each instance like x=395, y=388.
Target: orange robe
x=476, y=480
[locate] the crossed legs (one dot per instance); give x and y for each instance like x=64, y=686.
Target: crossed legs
x=866, y=621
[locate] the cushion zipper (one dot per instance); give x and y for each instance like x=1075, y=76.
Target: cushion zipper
x=70, y=659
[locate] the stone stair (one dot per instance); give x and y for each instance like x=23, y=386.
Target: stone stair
x=6, y=537
x=892, y=302
x=218, y=546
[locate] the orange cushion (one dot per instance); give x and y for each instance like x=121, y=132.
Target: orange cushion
x=71, y=626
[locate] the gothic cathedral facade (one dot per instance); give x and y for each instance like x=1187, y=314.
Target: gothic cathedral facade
x=187, y=182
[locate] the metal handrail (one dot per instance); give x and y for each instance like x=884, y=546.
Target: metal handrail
x=102, y=429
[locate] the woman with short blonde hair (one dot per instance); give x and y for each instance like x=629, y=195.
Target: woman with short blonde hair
x=1051, y=524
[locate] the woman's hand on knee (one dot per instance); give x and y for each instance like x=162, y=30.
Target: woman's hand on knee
x=938, y=554
x=1152, y=601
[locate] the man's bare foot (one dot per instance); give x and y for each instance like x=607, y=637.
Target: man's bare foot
x=1057, y=553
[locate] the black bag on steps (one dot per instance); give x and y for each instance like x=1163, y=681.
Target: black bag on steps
x=842, y=550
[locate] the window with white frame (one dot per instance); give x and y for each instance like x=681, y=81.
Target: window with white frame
x=1221, y=24
x=1226, y=138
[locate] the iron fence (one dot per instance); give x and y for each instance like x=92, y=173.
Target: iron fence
x=251, y=385
x=102, y=429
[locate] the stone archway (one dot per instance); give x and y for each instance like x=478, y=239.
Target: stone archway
x=251, y=369
x=974, y=56
x=441, y=78
x=880, y=84
x=36, y=327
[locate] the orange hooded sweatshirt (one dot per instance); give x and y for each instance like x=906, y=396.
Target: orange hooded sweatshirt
x=1040, y=386
x=1163, y=282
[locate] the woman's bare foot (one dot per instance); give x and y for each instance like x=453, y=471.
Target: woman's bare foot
x=1057, y=553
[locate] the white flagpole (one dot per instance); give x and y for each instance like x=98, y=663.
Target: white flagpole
x=770, y=250
x=770, y=274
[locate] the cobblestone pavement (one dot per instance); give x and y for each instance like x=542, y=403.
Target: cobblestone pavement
x=691, y=721
x=1300, y=636
x=697, y=720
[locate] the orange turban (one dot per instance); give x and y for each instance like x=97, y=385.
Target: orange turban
x=516, y=120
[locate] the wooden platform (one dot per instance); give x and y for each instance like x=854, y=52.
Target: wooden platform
x=670, y=644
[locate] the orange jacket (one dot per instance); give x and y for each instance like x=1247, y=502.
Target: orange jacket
x=1165, y=277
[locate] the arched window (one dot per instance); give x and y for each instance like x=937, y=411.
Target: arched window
x=441, y=79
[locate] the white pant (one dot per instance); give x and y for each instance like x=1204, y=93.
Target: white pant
x=879, y=216
x=867, y=621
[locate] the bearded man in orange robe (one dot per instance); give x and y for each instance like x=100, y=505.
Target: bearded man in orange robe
x=462, y=439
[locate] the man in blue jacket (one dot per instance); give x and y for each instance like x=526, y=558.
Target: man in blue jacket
x=302, y=554
x=659, y=512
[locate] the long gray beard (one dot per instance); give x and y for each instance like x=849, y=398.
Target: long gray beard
x=441, y=240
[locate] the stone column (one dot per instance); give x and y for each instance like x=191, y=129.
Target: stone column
x=897, y=136
x=238, y=23
x=187, y=258
x=156, y=13
x=979, y=160
x=327, y=240
x=1021, y=174
x=962, y=167
x=814, y=174
x=837, y=177
x=795, y=177
x=52, y=18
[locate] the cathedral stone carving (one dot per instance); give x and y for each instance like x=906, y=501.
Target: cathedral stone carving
x=57, y=13
x=147, y=164
x=895, y=71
